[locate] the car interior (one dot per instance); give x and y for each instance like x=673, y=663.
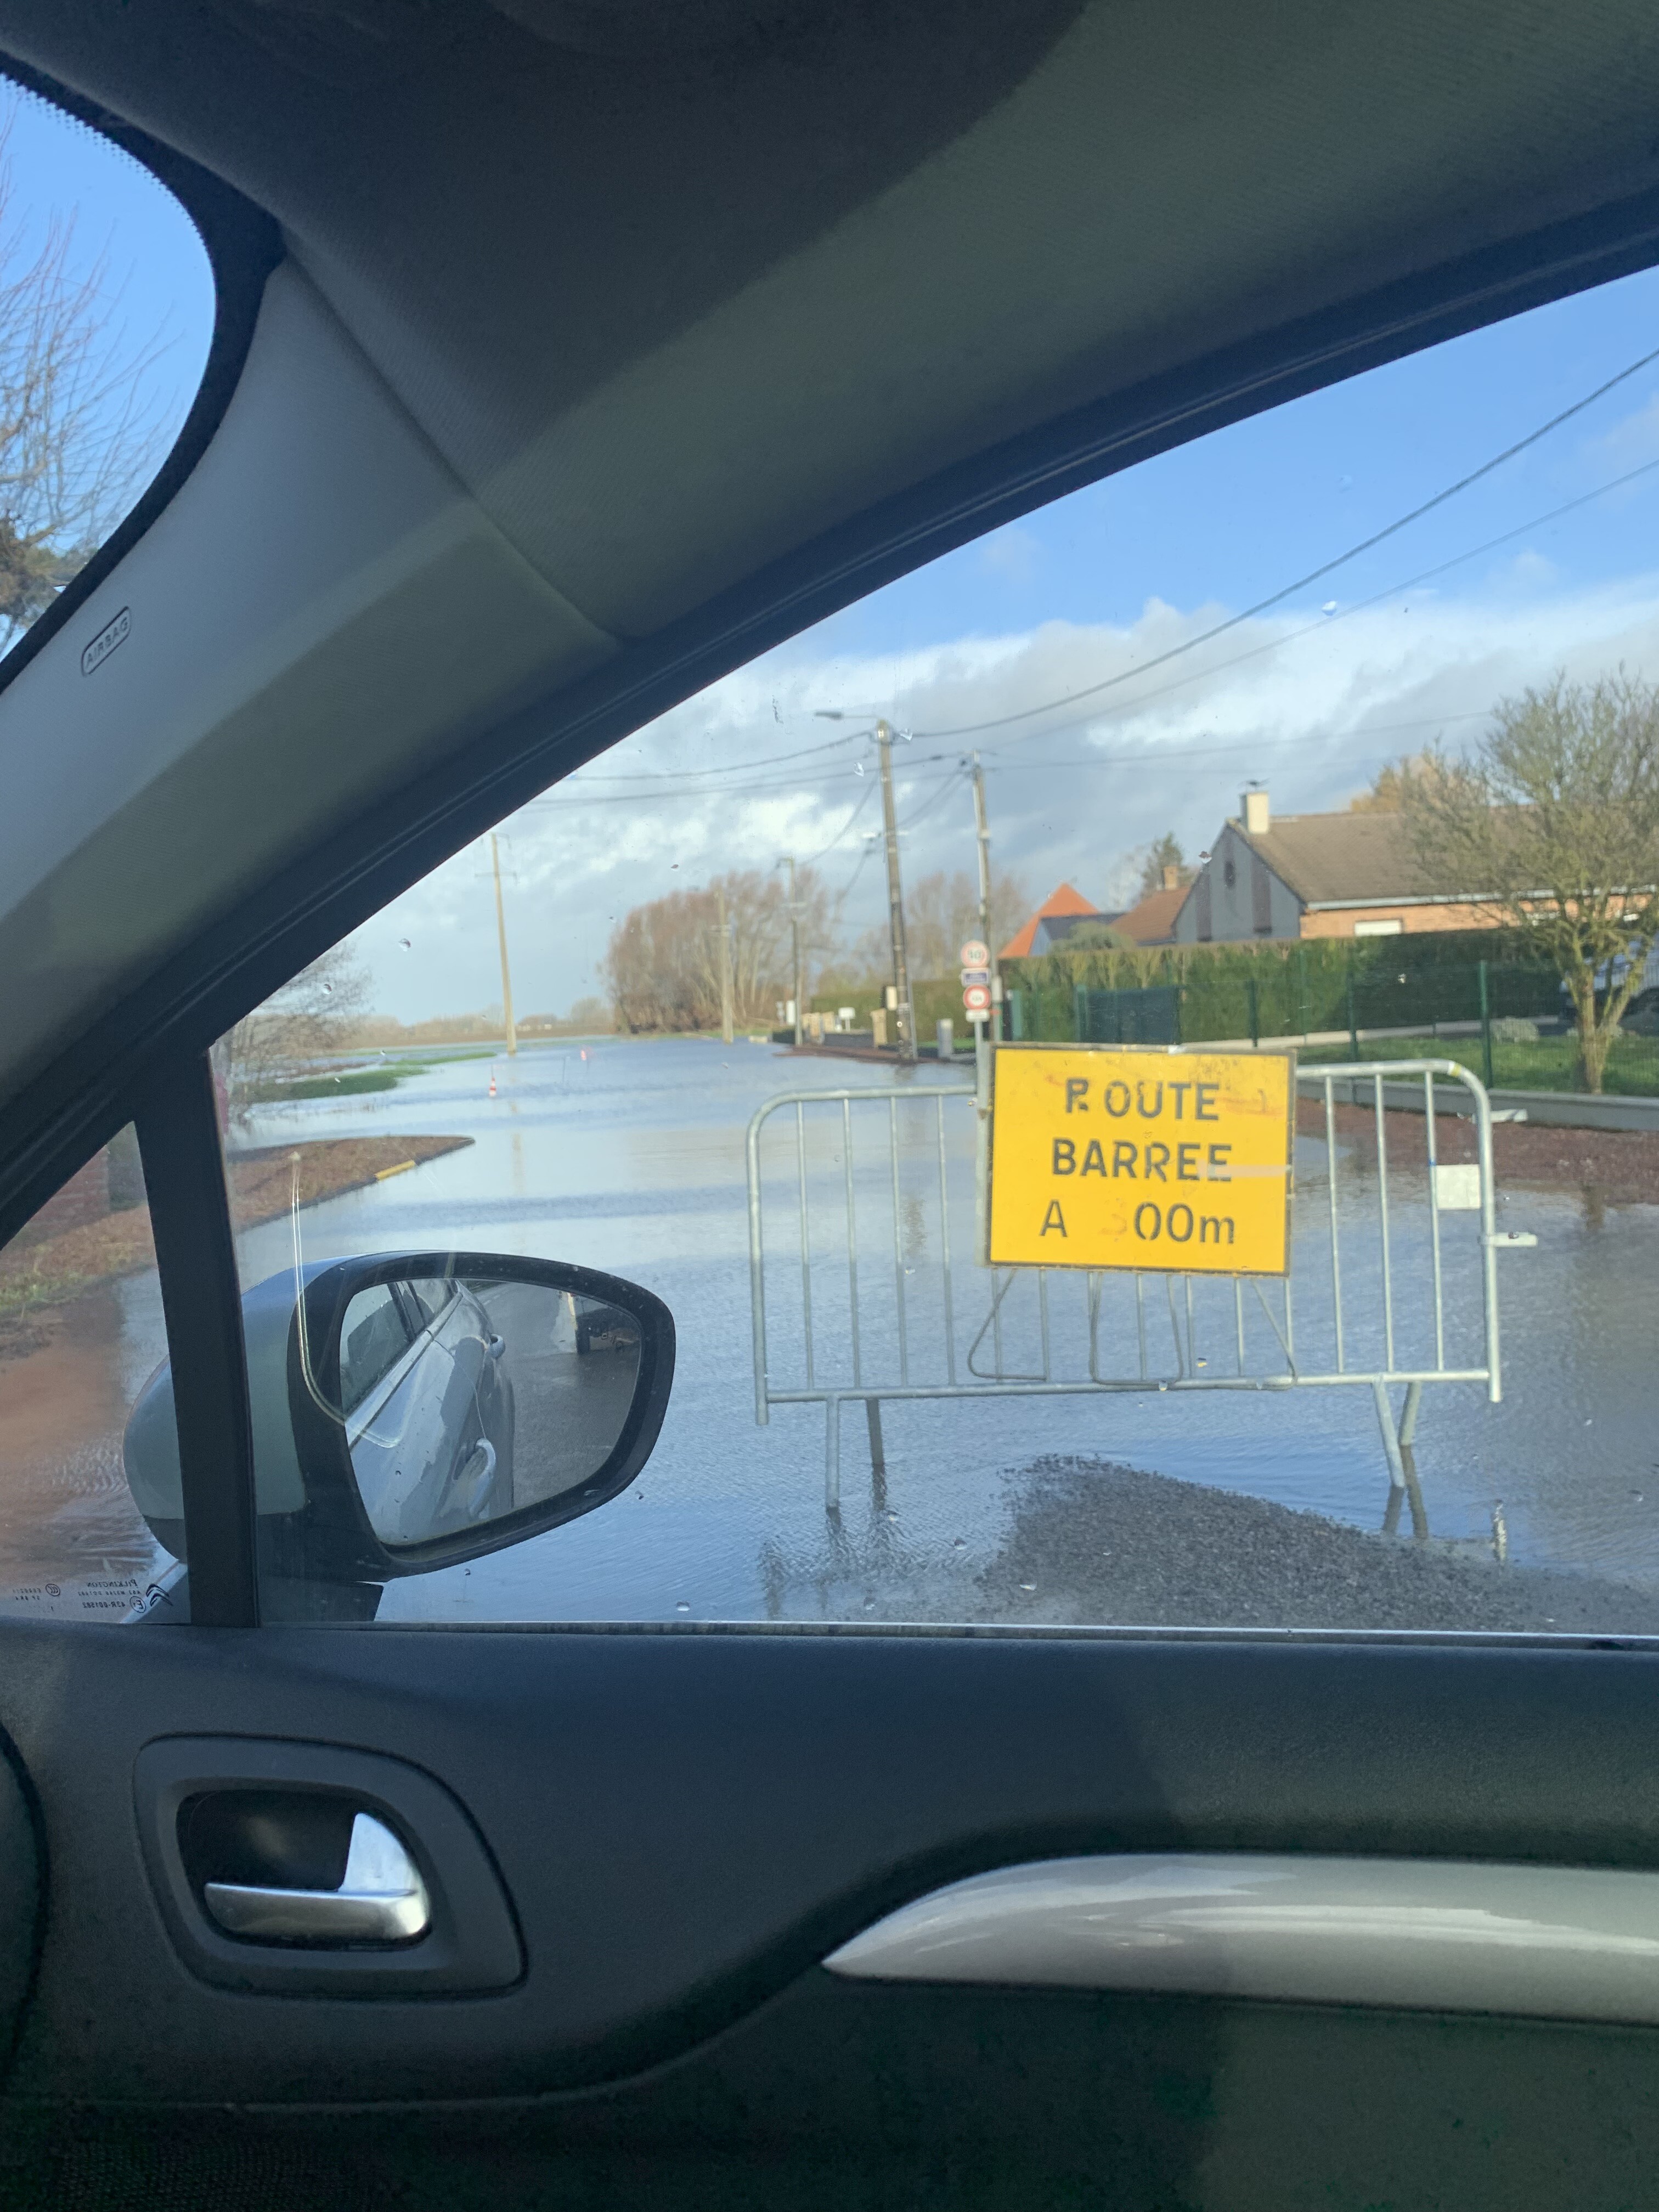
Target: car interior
x=568, y=355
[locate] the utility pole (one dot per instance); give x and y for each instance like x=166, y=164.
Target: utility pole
x=726, y=967
x=981, y=830
x=501, y=931
x=907, y=1027
x=794, y=944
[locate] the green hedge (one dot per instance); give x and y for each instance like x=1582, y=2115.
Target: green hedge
x=1280, y=988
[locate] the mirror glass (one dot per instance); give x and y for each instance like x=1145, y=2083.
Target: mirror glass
x=465, y=1401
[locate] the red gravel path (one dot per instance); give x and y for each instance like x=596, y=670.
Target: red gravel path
x=1622, y=1166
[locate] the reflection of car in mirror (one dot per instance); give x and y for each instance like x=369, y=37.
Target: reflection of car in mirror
x=415, y=1410
x=427, y=1408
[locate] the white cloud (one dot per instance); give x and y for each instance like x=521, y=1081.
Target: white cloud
x=1312, y=706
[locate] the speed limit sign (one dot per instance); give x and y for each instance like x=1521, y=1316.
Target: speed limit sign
x=975, y=953
x=977, y=998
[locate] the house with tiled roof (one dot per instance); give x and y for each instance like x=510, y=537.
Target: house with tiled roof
x=1317, y=875
x=1061, y=913
x=1151, y=921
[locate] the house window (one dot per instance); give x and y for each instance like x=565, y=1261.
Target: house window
x=1392, y=927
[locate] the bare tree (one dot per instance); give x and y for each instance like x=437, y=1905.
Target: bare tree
x=662, y=966
x=83, y=425
x=941, y=913
x=317, y=1013
x=1553, y=826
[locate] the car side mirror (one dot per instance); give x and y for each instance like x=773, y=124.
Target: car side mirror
x=413, y=1410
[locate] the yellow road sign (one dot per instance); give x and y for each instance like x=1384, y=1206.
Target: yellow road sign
x=1109, y=1156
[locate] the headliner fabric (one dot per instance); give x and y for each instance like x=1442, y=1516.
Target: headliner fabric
x=669, y=315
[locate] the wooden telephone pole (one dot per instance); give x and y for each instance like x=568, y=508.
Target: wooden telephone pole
x=907, y=1026
x=501, y=931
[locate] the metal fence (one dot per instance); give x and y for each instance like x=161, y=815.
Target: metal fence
x=1512, y=1021
x=864, y=1285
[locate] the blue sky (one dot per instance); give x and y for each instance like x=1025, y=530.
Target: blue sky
x=158, y=280
x=1312, y=696
x=1234, y=516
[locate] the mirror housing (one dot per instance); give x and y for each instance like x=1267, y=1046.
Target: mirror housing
x=314, y=1524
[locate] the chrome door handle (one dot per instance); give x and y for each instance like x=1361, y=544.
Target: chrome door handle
x=382, y=1900
x=478, y=1488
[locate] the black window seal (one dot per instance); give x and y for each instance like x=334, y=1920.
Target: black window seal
x=243, y=245
x=177, y=1123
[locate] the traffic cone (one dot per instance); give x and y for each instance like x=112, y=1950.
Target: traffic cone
x=492, y=1082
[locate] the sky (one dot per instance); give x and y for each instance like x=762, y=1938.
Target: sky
x=1376, y=658
x=157, y=283
x=1549, y=560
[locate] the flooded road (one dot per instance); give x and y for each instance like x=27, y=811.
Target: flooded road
x=631, y=1159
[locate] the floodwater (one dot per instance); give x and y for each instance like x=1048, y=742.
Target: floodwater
x=628, y=1156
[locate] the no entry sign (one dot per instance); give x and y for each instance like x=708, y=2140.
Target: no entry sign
x=1119, y=1156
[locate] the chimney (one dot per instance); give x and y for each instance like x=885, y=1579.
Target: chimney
x=1171, y=877
x=1258, y=815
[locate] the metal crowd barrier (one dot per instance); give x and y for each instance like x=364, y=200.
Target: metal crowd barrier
x=865, y=1287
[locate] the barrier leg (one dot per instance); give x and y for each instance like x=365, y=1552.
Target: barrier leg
x=877, y=1456
x=1403, y=1485
x=832, y=1455
x=1390, y=1448
x=1408, y=1415
x=1408, y=1459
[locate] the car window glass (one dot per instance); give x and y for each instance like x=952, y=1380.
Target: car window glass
x=90, y=1513
x=374, y=1339
x=1217, y=794
x=107, y=310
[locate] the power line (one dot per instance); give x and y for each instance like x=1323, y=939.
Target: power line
x=1360, y=606
x=1313, y=575
x=767, y=760
x=858, y=808
x=791, y=784
x=946, y=786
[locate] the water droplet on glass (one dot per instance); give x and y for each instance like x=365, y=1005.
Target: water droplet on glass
x=960, y=1545
x=1329, y=607
x=683, y=1607
x=892, y=1516
x=1028, y=1586
x=328, y=990
x=858, y=768
x=869, y=1605
x=405, y=943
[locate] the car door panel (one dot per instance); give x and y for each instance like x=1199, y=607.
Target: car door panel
x=21, y=1883
x=687, y=1824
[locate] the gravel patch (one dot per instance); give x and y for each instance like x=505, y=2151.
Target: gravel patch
x=1091, y=1541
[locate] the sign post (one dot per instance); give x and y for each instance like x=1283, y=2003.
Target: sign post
x=1143, y=1157
x=976, y=1004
